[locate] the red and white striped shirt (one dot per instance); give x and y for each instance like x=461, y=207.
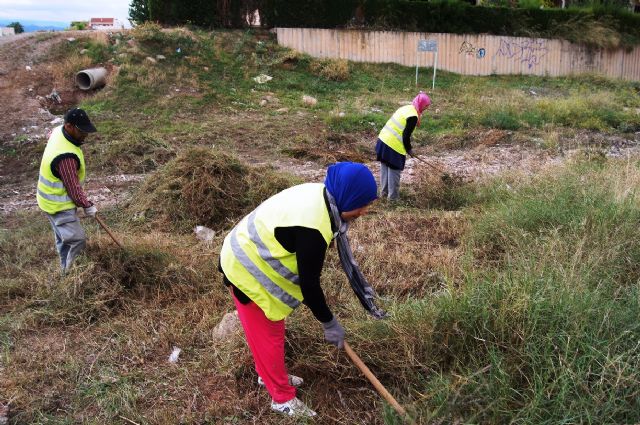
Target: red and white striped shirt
x=67, y=168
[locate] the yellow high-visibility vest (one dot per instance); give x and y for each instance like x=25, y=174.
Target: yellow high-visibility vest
x=391, y=133
x=52, y=196
x=255, y=262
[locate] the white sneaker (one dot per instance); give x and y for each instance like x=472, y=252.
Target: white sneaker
x=294, y=381
x=293, y=407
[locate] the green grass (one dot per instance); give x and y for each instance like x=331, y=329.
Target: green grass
x=542, y=325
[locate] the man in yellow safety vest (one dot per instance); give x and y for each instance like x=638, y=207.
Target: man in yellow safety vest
x=62, y=171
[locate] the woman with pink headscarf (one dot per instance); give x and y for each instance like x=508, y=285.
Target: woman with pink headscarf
x=394, y=143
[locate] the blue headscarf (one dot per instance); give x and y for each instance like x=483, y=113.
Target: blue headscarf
x=351, y=184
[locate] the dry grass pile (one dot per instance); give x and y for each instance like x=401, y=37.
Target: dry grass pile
x=204, y=187
x=334, y=147
x=110, y=279
x=64, y=71
x=136, y=152
x=433, y=188
x=331, y=69
x=288, y=59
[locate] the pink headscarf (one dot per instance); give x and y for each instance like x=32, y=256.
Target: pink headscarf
x=421, y=102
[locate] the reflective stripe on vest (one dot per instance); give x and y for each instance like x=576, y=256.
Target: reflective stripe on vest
x=57, y=185
x=266, y=255
x=52, y=196
x=255, y=262
x=391, y=133
x=275, y=291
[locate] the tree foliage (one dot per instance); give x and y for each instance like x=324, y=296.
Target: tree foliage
x=139, y=11
x=17, y=27
x=205, y=13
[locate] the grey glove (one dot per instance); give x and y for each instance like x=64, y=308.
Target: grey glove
x=91, y=211
x=334, y=333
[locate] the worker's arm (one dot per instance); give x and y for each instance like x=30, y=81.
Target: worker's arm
x=408, y=130
x=310, y=248
x=67, y=169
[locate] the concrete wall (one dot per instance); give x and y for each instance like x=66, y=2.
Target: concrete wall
x=465, y=54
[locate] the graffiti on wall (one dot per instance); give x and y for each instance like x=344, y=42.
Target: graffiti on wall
x=528, y=51
x=471, y=50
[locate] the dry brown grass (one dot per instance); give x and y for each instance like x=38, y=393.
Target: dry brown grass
x=148, y=31
x=331, y=69
x=329, y=148
x=430, y=250
x=147, y=75
x=64, y=71
x=93, y=346
x=434, y=188
x=204, y=187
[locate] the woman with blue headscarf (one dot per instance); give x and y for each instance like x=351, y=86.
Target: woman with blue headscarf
x=272, y=261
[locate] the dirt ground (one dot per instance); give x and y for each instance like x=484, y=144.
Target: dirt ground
x=29, y=115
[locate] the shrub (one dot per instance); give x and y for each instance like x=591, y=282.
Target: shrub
x=148, y=31
x=331, y=69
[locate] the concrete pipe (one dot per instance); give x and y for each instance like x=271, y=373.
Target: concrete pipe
x=93, y=78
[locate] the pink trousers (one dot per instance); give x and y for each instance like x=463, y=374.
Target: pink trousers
x=266, y=342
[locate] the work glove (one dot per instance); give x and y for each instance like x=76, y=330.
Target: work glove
x=334, y=333
x=91, y=211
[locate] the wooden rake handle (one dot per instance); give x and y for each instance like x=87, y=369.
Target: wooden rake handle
x=438, y=169
x=106, y=229
x=374, y=381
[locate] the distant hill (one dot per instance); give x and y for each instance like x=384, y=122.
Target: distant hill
x=31, y=26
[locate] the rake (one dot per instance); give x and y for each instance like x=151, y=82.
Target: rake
x=376, y=383
x=106, y=229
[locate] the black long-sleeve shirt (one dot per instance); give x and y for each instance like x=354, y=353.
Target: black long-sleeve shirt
x=408, y=131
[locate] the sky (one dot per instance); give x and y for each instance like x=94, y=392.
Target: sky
x=63, y=11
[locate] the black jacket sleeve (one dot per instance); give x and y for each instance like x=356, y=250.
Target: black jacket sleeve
x=408, y=130
x=310, y=248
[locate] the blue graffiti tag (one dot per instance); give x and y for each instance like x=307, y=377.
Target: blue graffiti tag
x=481, y=53
x=529, y=51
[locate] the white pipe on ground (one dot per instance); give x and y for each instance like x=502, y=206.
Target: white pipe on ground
x=93, y=78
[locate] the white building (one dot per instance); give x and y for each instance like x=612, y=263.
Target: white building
x=7, y=31
x=105, y=24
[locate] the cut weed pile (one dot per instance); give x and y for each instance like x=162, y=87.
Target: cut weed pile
x=204, y=187
x=103, y=282
x=432, y=188
x=335, y=147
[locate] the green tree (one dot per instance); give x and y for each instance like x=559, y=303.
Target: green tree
x=17, y=26
x=139, y=11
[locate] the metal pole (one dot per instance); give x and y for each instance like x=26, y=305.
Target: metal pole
x=435, y=65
